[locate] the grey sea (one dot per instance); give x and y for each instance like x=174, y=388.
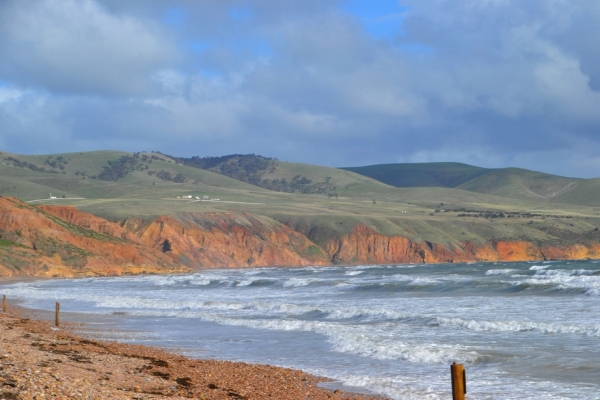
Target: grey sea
x=523, y=330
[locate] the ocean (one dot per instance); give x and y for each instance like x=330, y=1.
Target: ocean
x=522, y=330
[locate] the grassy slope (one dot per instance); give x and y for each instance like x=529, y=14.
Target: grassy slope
x=521, y=184
x=442, y=174
x=405, y=211
x=514, y=183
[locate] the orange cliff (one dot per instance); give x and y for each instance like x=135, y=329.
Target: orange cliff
x=35, y=242
x=90, y=221
x=238, y=240
x=364, y=245
x=227, y=240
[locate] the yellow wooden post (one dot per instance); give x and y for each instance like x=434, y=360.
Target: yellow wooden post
x=459, y=381
x=57, y=319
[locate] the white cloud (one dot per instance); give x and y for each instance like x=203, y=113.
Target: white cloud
x=487, y=82
x=76, y=46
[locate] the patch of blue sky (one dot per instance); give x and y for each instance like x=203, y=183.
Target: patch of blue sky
x=238, y=46
x=382, y=19
x=415, y=48
x=261, y=48
x=175, y=17
x=202, y=46
x=240, y=13
x=246, y=47
x=210, y=73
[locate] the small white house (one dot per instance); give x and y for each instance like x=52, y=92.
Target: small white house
x=187, y=197
x=205, y=198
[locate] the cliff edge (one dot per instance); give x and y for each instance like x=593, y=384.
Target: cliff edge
x=36, y=242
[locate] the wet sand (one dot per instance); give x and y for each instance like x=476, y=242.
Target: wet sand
x=40, y=361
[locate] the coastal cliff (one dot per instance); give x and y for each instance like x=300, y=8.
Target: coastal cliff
x=227, y=240
x=63, y=241
x=36, y=242
x=364, y=245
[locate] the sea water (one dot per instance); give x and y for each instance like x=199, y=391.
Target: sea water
x=523, y=330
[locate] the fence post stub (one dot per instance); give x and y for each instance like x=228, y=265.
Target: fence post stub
x=459, y=381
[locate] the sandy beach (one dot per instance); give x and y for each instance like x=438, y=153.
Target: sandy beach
x=40, y=361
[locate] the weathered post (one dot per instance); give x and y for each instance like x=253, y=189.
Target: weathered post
x=459, y=381
x=4, y=304
x=57, y=319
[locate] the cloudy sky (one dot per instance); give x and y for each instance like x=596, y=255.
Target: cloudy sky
x=493, y=83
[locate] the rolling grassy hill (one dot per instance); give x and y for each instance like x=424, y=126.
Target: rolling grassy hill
x=442, y=174
x=118, y=185
x=513, y=183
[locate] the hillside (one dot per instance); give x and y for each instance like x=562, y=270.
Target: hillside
x=442, y=174
x=272, y=174
x=513, y=183
x=210, y=219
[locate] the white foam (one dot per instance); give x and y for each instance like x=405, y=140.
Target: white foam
x=361, y=340
x=562, y=279
x=424, y=281
x=504, y=271
x=539, y=267
x=297, y=282
x=519, y=326
x=352, y=273
x=384, y=347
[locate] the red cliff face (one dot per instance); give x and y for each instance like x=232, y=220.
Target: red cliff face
x=227, y=240
x=62, y=241
x=35, y=242
x=90, y=221
x=366, y=246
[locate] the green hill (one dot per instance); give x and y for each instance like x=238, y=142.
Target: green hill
x=272, y=174
x=521, y=184
x=112, y=175
x=514, y=183
x=442, y=174
x=483, y=205
x=296, y=178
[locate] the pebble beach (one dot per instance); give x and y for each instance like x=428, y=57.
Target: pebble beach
x=40, y=361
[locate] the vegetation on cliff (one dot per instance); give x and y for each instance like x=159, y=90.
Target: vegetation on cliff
x=253, y=169
x=35, y=242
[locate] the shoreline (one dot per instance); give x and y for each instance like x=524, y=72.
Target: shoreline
x=5, y=280
x=38, y=359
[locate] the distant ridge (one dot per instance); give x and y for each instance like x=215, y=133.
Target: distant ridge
x=436, y=174
x=514, y=183
x=145, y=175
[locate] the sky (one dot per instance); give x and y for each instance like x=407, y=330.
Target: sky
x=492, y=83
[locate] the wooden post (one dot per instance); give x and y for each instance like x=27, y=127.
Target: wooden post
x=57, y=319
x=459, y=381
x=4, y=304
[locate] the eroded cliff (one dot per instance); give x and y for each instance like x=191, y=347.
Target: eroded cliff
x=227, y=240
x=36, y=242
x=62, y=241
x=364, y=245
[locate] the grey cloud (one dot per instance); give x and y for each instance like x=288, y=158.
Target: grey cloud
x=496, y=83
x=72, y=46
